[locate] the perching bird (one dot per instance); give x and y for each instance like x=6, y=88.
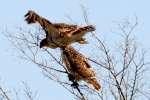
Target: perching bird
x=78, y=67
x=59, y=34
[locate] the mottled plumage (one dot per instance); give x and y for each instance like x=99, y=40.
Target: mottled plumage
x=62, y=35
x=59, y=34
x=78, y=67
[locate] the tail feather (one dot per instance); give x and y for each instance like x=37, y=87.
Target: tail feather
x=95, y=84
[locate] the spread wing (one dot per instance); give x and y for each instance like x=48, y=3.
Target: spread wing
x=50, y=30
x=73, y=30
x=65, y=28
x=75, y=34
x=80, y=32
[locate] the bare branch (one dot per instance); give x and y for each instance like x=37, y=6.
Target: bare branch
x=4, y=94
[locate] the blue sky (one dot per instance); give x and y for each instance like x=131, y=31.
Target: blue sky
x=102, y=13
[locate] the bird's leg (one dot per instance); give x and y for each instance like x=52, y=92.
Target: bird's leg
x=74, y=84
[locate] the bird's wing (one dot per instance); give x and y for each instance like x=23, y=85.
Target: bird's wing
x=33, y=17
x=63, y=26
x=83, y=30
x=65, y=29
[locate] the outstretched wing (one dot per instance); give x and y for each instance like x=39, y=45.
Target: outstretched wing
x=50, y=30
x=80, y=32
x=65, y=28
x=76, y=34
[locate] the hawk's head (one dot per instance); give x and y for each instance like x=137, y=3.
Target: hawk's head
x=43, y=43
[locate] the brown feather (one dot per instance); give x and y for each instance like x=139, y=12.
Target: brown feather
x=60, y=34
x=78, y=66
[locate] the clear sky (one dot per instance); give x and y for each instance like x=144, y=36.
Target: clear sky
x=102, y=13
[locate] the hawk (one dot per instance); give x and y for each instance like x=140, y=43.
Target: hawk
x=78, y=67
x=59, y=34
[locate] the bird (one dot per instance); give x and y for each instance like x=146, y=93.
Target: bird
x=62, y=35
x=59, y=34
x=78, y=67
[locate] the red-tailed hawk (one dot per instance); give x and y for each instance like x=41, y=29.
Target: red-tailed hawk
x=59, y=34
x=78, y=67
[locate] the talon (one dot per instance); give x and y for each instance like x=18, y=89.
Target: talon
x=74, y=84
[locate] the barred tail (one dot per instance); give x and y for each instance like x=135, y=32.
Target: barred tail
x=95, y=84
